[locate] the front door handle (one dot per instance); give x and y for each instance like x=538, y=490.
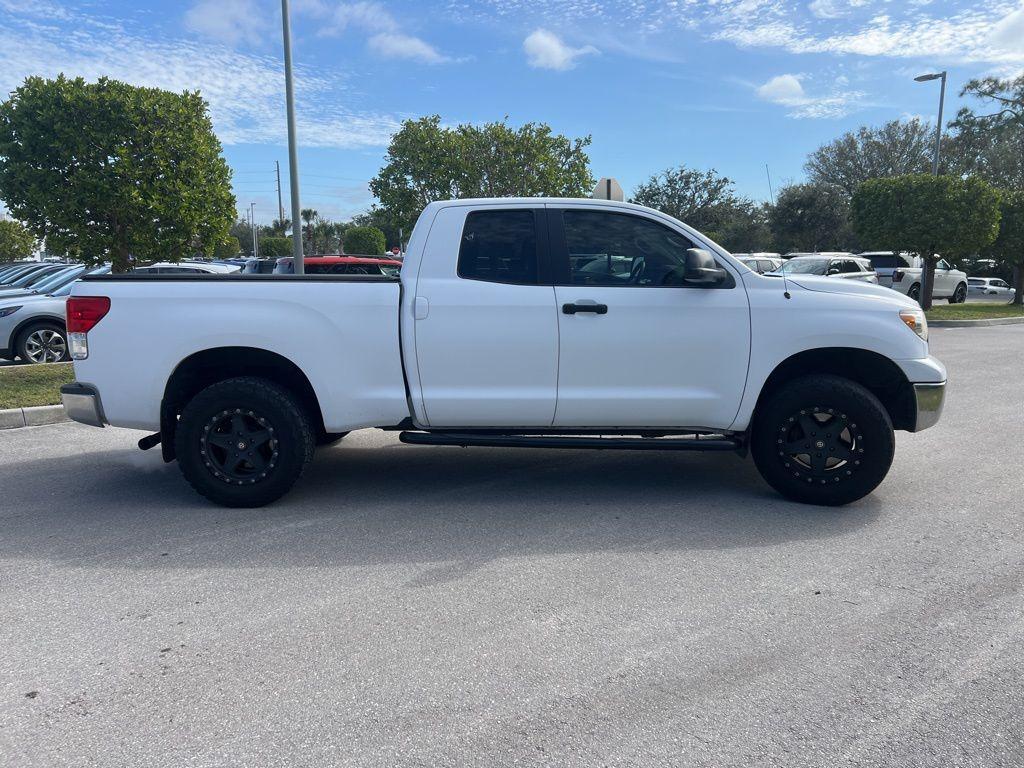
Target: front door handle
x=597, y=309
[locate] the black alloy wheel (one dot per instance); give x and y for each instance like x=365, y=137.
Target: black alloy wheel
x=820, y=445
x=238, y=446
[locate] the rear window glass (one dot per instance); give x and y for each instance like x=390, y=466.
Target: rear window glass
x=888, y=261
x=499, y=247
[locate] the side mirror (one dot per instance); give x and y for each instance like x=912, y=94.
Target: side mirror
x=702, y=270
x=833, y=270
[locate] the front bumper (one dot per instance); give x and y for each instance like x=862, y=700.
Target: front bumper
x=82, y=403
x=928, y=399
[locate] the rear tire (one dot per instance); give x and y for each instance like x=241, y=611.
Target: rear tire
x=243, y=442
x=822, y=440
x=914, y=292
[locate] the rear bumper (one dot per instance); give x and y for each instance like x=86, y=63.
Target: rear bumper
x=928, y=399
x=82, y=403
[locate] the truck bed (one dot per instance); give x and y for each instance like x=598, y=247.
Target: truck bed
x=340, y=331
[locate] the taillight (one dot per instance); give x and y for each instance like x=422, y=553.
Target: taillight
x=83, y=312
x=896, y=276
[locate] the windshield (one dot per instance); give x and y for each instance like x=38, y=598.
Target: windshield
x=804, y=267
x=31, y=278
x=58, y=280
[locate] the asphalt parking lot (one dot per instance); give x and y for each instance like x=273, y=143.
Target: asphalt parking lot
x=415, y=606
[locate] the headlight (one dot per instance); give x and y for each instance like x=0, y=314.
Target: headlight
x=9, y=310
x=915, y=320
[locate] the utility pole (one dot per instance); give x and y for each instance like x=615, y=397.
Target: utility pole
x=293, y=155
x=280, y=207
x=252, y=225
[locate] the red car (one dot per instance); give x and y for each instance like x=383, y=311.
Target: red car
x=340, y=265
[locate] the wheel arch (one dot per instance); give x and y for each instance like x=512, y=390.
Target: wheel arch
x=28, y=322
x=201, y=369
x=875, y=372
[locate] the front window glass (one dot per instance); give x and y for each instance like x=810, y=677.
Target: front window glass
x=620, y=249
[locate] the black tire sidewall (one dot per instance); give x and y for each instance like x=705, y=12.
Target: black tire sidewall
x=824, y=391
x=26, y=332
x=273, y=403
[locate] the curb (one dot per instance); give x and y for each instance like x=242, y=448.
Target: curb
x=35, y=416
x=976, y=323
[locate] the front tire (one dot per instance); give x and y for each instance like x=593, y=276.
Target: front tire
x=822, y=440
x=243, y=442
x=959, y=295
x=43, y=343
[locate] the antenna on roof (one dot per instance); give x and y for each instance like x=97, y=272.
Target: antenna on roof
x=608, y=189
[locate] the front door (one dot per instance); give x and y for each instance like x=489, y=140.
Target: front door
x=486, y=332
x=636, y=347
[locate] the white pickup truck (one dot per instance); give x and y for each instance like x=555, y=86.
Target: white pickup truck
x=514, y=322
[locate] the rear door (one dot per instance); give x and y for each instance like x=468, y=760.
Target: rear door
x=636, y=347
x=486, y=332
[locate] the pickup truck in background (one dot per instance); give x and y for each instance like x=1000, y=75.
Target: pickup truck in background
x=902, y=272
x=514, y=322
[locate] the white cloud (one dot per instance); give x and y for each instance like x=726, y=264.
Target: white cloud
x=386, y=36
x=788, y=90
x=1008, y=34
x=228, y=21
x=911, y=29
x=398, y=46
x=545, y=50
x=245, y=92
x=783, y=89
x=834, y=9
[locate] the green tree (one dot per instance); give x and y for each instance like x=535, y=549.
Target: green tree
x=395, y=232
x=708, y=203
x=1008, y=247
x=988, y=141
x=16, y=242
x=228, y=248
x=368, y=241
x=427, y=162
x=275, y=247
x=896, y=148
x=927, y=215
x=811, y=217
x=109, y=171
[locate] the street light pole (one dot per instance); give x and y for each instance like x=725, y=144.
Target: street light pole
x=293, y=157
x=938, y=128
x=928, y=273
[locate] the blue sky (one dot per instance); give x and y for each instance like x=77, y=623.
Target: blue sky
x=727, y=84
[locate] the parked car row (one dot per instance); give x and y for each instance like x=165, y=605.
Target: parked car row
x=900, y=271
x=32, y=320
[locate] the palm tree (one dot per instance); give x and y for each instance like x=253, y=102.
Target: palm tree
x=308, y=215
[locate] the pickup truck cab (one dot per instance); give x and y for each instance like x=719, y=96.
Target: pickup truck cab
x=562, y=323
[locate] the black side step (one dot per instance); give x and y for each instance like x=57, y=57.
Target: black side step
x=466, y=439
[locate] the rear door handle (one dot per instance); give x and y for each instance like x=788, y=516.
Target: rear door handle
x=597, y=309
